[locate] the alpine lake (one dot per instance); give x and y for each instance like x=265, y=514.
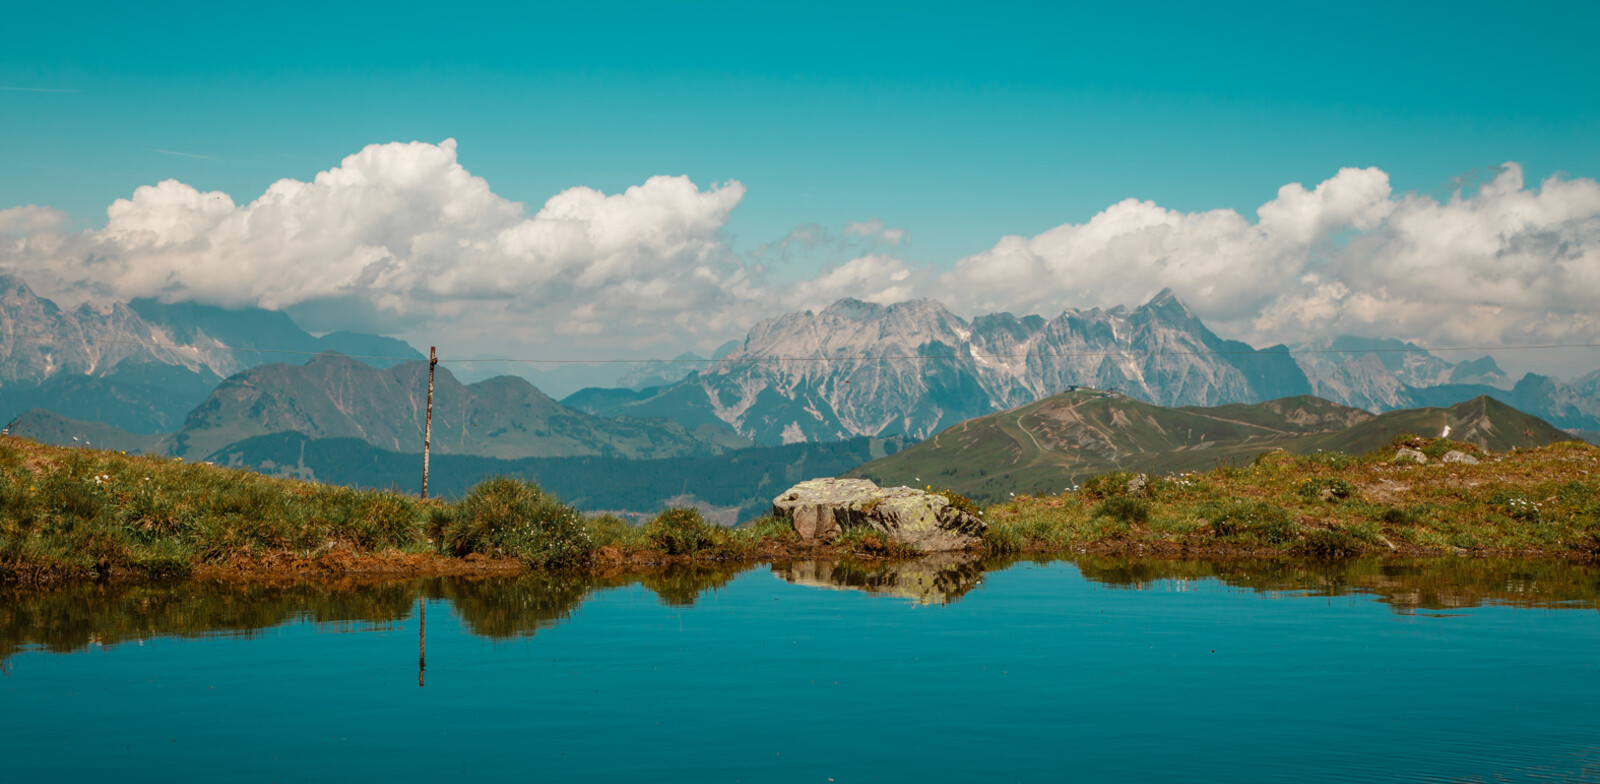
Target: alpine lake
x=1074, y=669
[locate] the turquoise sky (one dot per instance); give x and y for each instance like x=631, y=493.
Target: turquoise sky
x=957, y=122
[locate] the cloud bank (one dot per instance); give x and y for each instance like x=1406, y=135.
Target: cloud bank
x=405, y=232
x=1507, y=263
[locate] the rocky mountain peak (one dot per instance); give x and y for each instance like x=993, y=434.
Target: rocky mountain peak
x=1168, y=307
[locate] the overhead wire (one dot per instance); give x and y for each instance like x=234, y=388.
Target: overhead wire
x=841, y=358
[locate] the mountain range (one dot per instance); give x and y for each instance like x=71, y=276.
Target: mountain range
x=196, y=381
x=1057, y=442
x=334, y=397
x=914, y=369
x=143, y=365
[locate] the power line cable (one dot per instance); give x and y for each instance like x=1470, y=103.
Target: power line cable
x=844, y=358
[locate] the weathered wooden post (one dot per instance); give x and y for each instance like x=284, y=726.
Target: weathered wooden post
x=427, y=427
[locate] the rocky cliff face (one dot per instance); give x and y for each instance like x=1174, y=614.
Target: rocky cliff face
x=915, y=368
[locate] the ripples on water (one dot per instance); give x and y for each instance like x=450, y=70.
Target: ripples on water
x=944, y=669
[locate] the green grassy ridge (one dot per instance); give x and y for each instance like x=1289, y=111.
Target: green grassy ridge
x=1053, y=444
x=1540, y=501
x=76, y=514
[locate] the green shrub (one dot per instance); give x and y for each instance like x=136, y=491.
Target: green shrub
x=609, y=530
x=1106, y=485
x=681, y=531
x=511, y=517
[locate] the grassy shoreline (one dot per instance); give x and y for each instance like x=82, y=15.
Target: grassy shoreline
x=1538, y=502
x=78, y=514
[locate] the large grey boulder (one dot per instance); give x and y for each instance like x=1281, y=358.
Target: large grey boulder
x=825, y=508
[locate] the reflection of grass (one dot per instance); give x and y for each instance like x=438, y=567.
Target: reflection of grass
x=73, y=617
x=1405, y=582
x=1544, y=500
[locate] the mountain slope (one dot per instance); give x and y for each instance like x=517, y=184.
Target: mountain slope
x=915, y=368
x=506, y=417
x=1063, y=439
x=740, y=484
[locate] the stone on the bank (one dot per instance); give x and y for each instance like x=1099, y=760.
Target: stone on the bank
x=1458, y=456
x=1138, y=485
x=825, y=508
x=1407, y=454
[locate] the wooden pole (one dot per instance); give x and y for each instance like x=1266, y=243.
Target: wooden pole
x=427, y=427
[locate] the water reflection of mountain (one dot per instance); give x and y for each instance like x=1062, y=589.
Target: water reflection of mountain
x=1406, y=584
x=938, y=579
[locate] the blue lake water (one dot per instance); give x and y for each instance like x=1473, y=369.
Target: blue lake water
x=1087, y=670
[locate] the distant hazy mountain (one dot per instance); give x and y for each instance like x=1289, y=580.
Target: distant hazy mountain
x=1060, y=440
x=915, y=368
x=562, y=380
x=142, y=366
x=1378, y=374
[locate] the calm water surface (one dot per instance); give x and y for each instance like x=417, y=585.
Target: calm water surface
x=1088, y=670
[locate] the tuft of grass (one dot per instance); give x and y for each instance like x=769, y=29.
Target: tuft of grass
x=1128, y=511
x=1331, y=489
x=956, y=500
x=867, y=542
x=1259, y=521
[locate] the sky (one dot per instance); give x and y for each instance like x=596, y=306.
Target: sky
x=634, y=180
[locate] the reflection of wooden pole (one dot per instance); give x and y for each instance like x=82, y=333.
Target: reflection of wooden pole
x=427, y=427
x=422, y=639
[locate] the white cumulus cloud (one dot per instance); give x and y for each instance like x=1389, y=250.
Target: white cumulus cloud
x=1507, y=263
x=402, y=234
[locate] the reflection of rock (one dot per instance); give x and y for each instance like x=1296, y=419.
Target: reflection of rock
x=825, y=508
x=935, y=579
